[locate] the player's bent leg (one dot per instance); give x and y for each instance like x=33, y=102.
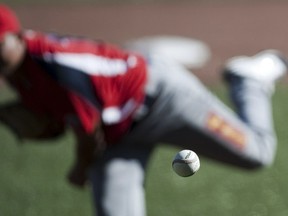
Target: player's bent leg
x=216, y=132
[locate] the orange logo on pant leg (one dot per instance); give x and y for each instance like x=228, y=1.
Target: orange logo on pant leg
x=222, y=128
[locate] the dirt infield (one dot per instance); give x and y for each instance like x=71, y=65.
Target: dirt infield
x=229, y=29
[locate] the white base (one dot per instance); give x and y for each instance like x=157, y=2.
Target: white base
x=191, y=53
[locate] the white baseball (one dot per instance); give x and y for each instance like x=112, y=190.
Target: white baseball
x=186, y=163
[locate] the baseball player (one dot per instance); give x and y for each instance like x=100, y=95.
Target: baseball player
x=120, y=104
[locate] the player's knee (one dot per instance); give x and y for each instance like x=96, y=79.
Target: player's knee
x=263, y=156
x=255, y=166
x=259, y=164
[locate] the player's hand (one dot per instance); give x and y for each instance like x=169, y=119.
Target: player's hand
x=77, y=176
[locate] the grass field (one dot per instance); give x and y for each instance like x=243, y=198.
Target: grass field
x=32, y=181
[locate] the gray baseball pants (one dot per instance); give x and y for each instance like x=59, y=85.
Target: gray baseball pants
x=184, y=114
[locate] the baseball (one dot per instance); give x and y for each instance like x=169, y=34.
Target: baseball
x=186, y=163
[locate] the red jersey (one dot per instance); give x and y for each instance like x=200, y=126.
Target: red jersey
x=82, y=82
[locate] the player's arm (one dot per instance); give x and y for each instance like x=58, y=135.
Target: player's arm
x=27, y=124
x=88, y=148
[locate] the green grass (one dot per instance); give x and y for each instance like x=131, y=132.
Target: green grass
x=32, y=180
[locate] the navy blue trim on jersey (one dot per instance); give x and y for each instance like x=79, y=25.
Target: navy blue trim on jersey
x=72, y=79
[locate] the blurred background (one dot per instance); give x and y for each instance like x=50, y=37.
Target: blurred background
x=32, y=179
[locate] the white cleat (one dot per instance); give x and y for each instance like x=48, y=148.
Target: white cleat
x=266, y=66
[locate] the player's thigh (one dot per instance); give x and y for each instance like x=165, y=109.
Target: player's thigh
x=207, y=146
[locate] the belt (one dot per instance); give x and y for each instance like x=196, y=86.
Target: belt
x=143, y=111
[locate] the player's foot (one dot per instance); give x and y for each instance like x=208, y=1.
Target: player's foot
x=266, y=67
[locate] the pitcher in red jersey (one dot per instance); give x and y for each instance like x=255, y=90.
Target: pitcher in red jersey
x=121, y=104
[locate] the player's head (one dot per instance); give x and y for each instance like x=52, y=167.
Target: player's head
x=8, y=21
x=11, y=46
